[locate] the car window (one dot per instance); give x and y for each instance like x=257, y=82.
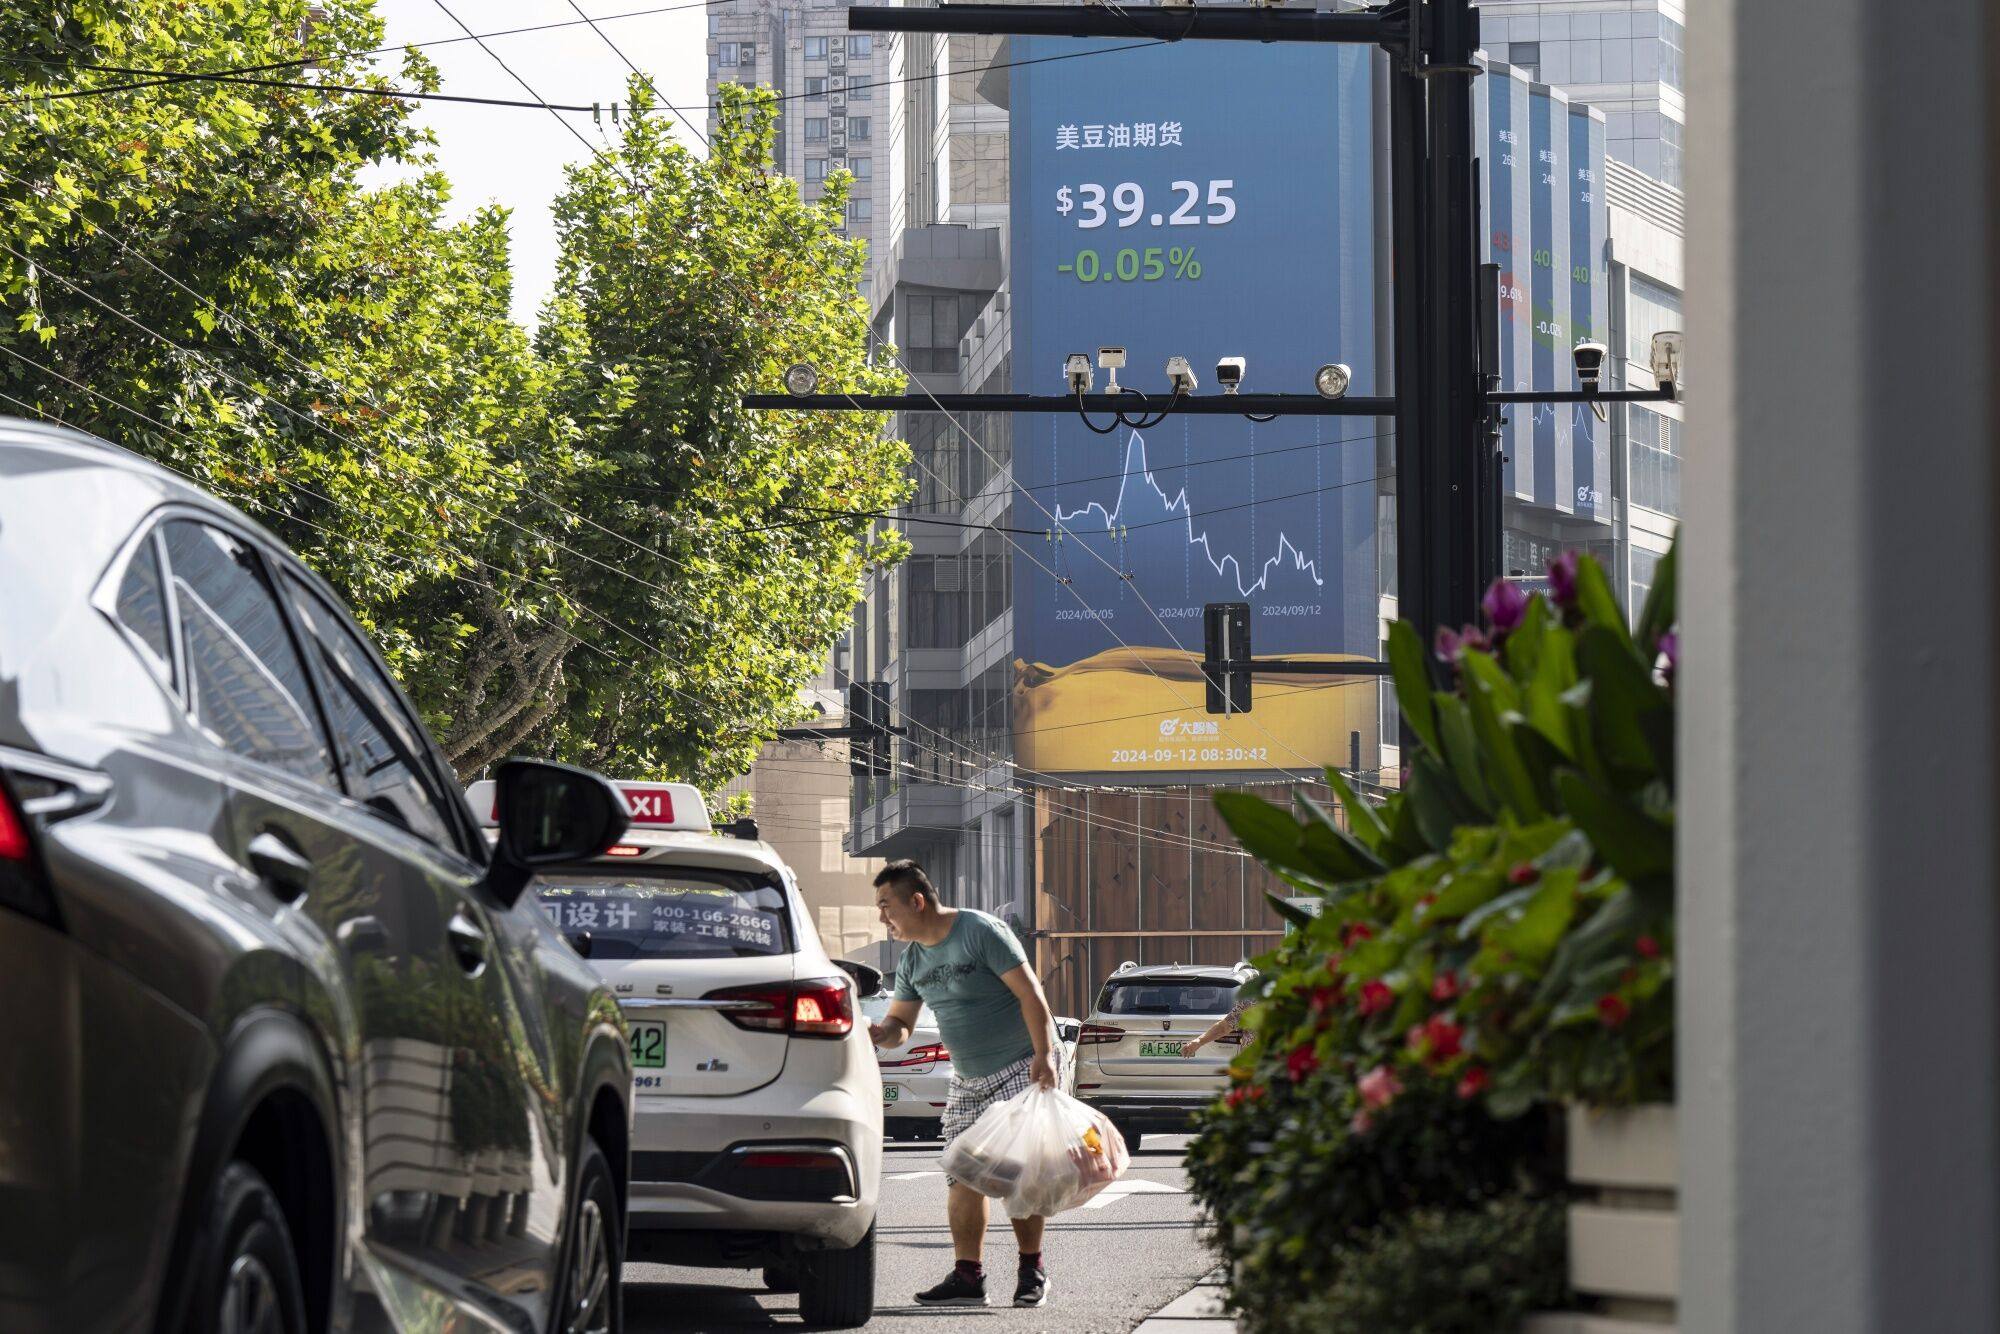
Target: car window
x=381, y=750
x=1168, y=995
x=877, y=1007
x=142, y=607
x=669, y=912
x=247, y=684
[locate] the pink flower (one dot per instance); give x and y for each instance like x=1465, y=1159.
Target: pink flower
x=1445, y=1038
x=1302, y=1062
x=1356, y=931
x=1648, y=947
x=1362, y=1123
x=1523, y=873
x=1375, y=998
x=1325, y=998
x=1474, y=1082
x=1612, y=1011
x=1506, y=606
x=1444, y=986
x=1562, y=579
x=1379, y=1087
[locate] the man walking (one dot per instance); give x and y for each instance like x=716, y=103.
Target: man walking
x=994, y=1020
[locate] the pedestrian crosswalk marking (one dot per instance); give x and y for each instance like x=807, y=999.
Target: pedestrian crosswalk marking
x=912, y=1176
x=1119, y=1189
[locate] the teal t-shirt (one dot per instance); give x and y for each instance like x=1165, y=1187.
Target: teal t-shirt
x=959, y=978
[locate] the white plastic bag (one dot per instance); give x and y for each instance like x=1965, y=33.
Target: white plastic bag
x=1041, y=1151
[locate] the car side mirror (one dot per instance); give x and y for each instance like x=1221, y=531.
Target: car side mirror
x=550, y=814
x=867, y=979
x=580, y=942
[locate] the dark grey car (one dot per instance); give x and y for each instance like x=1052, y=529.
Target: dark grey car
x=281, y=1047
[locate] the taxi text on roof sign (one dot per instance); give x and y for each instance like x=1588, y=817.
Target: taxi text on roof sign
x=651, y=805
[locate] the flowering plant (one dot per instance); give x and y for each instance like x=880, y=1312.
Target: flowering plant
x=1503, y=923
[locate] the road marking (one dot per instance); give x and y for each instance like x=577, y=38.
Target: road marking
x=1119, y=1189
x=910, y=1176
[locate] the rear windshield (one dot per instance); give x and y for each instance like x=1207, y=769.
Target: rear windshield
x=1168, y=995
x=877, y=1007
x=668, y=913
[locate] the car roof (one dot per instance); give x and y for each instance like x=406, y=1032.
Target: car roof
x=1156, y=971
x=677, y=847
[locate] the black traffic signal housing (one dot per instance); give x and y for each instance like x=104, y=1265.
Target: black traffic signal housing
x=1225, y=667
x=868, y=717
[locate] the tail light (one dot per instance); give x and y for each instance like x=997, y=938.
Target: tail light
x=924, y=1055
x=820, y=1008
x=1095, y=1034
x=35, y=790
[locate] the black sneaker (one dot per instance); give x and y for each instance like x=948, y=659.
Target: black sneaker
x=956, y=1290
x=1033, y=1287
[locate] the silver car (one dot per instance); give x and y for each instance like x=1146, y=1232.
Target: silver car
x=1130, y=1062
x=282, y=1046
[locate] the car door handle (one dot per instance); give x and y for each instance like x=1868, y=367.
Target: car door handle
x=468, y=943
x=280, y=866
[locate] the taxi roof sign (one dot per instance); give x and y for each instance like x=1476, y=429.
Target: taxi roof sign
x=651, y=805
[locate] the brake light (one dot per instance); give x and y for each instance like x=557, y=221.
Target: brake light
x=622, y=850
x=1095, y=1034
x=13, y=831
x=924, y=1055
x=35, y=787
x=819, y=1008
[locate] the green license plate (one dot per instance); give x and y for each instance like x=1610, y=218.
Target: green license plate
x=890, y=1093
x=1159, y=1049
x=649, y=1046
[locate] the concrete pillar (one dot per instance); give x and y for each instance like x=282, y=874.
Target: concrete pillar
x=1839, y=1041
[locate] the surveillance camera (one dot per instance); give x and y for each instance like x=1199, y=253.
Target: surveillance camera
x=1668, y=346
x=1076, y=369
x=1181, y=375
x=1589, y=358
x=1332, y=380
x=1110, y=360
x=1229, y=373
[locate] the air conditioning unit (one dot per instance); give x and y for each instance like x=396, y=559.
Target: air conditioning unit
x=949, y=575
x=839, y=106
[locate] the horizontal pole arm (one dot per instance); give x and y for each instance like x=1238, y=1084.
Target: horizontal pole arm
x=1294, y=667
x=1670, y=394
x=1209, y=405
x=1172, y=24
x=837, y=733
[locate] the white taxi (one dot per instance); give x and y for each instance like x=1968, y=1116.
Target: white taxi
x=757, y=1128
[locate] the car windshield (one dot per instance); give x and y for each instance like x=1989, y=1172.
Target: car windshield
x=668, y=912
x=875, y=1007
x=1168, y=995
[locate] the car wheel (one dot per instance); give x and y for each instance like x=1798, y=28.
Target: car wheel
x=591, y=1301
x=837, y=1288
x=250, y=1284
x=781, y=1278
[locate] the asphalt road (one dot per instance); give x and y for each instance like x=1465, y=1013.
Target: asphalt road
x=1109, y=1267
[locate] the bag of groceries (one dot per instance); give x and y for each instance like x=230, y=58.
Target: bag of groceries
x=1041, y=1151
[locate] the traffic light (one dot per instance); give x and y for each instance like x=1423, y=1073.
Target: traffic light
x=868, y=717
x=1225, y=639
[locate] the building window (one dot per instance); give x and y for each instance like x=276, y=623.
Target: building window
x=1650, y=307
x=1655, y=460
x=815, y=48
x=1673, y=41
x=862, y=167
x=815, y=86
x=934, y=444
x=932, y=345
x=815, y=170
x=1670, y=151
x=815, y=129
x=859, y=211
x=935, y=615
x=1526, y=56
x=860, y=44
x=860, y=92
x=857, y=127
x=725, y=54
x=990, y=580
x=1644, y=564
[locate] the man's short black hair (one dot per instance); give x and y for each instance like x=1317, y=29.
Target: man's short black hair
x=906, y=879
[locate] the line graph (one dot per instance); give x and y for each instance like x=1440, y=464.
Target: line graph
x=1143, y=503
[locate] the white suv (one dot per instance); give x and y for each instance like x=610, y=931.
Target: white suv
x=757, y=1128
x=1129, y=1061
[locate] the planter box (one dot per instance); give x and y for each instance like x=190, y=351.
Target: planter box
x=1624, y=1230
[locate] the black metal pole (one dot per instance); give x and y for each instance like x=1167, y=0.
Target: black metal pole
x=1407, y=187
x=1164, y=24
x=1104, y=405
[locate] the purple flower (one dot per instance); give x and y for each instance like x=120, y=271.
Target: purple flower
x=1446, y=644
x=1506, y=605
x=1670, y=649
x=1472, y=637
x=1562, y=579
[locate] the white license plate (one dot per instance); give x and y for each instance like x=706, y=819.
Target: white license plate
x=1159, y=1049
x=890, y=1093
x=649, y=1046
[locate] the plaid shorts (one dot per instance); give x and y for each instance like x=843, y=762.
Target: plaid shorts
x=968, y=1098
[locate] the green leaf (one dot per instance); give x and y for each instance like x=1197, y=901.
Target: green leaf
x=1408, y=662
x=1362, y=817
x=1659, y=614
x=1266, y=832
x=1596, y=601
x=1607, y=929
x=1622, y=694
x=1505, y=903
x=1434, y=798
x=1535, y=935
x=1467, y=890
x=1298, y=917
x=1340, y=855
x=1539, y=758
x=1511, y=780
x=1461, y=750
x=1523, y=649
x=1636, y=845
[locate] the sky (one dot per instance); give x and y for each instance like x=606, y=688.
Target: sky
x=515, y=156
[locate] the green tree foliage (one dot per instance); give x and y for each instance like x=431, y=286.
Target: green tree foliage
x=202, y=276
